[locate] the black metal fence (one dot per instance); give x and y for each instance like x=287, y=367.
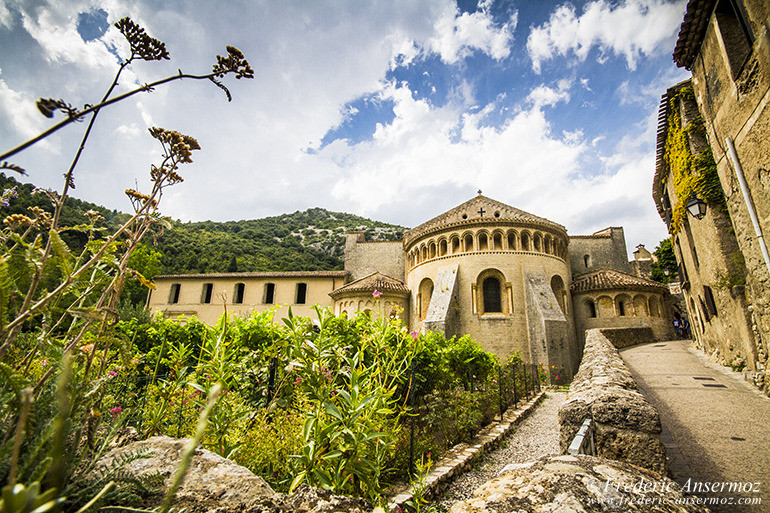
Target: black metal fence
x=443, y=417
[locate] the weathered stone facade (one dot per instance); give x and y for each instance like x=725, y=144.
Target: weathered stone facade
x=726, y=46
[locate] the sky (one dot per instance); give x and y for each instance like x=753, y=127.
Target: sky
x=394, y=110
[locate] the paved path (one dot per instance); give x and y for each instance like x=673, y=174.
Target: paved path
x=536, y=436
x=716, y=426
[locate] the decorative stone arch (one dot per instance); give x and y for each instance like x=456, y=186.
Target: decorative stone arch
x=624, y=306
x=560, y=291
x=482, y=240
x=423, y=252
x=455, y=244
x=497, y=240
x=491, y=293
x=653, y=306
x=468, y=242
x=606, y=307
x=424, y=293
x=589, y=307
x=537, y=243
x=443, y=246
x=512, y=239
x=432, y=249
x=526, y=241
x=548, y=244
x=640, y=306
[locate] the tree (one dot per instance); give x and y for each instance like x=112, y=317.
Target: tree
x=666, y=262
x=232, y=267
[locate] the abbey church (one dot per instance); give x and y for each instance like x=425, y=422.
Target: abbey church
x=511, y=280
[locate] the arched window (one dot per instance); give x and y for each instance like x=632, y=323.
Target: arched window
x=240, y=289
x=455, y=244
x=301, y=293
x=483, y=242
x=591, y=306
x=587, y=260
x=269, y=293
x=497, y=242
x=469, y=242
x=525, y=241
x=173, y=296
x=557, y=286
x=492, y=299
x=432, y=249
x=425, y=292
x=206, y=293
x=512, y=241
x=442, y=247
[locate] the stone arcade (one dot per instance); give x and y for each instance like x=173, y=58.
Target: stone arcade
x=509, y=279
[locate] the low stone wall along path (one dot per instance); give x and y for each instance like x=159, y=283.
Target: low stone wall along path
x=536, y=436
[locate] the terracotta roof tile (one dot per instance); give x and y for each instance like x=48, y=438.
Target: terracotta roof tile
x=608, y=279
x=372, y=282
x=692, y=31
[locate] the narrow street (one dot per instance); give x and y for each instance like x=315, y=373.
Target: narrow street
x=715, y=425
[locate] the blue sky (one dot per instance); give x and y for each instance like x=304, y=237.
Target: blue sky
x=395, y=110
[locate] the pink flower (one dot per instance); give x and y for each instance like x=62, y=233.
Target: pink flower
x=112, y=373
x=376, y=293
x=116, y=411
x=298, y=380
x=414, y=335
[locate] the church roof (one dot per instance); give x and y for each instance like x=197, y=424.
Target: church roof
x=478, y=210
x=372, y=282
x=609, y=279
x=692, y=31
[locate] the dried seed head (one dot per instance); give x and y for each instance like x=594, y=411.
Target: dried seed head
x=142, y=46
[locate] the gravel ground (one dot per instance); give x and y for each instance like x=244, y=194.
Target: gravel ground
x=536, y=436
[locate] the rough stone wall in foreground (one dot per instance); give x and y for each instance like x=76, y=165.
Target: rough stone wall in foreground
x=626, y=426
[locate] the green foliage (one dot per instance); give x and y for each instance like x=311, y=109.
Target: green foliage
x=693, y=174
x=735, y=274
x=666, y=262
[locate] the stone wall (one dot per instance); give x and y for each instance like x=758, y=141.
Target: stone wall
x=363, y=258
x=626, y=426
x=627, y=337
x=605, y=248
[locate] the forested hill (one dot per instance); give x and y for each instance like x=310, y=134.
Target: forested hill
x=312, y=240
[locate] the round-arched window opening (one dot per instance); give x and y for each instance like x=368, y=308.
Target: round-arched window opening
x=491, y=290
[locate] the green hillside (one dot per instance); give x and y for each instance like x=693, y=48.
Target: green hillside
x=312, y=240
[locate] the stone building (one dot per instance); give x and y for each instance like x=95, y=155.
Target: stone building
x=483, y=268
x=725, y=109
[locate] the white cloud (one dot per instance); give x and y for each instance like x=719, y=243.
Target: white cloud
x=457, y=36
x=547, y=96
x=631, y=29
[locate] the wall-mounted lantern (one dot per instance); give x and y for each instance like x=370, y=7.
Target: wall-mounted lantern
x=696, y=207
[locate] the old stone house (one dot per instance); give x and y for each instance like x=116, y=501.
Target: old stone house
x=512, y=280
x=720, y=123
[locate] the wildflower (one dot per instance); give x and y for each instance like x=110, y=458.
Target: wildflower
x=376, y=293
x=44, y=363
x=414, y=335
x=298, y=380
x=87, y=348
x=112, y=373
x=116, y=411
